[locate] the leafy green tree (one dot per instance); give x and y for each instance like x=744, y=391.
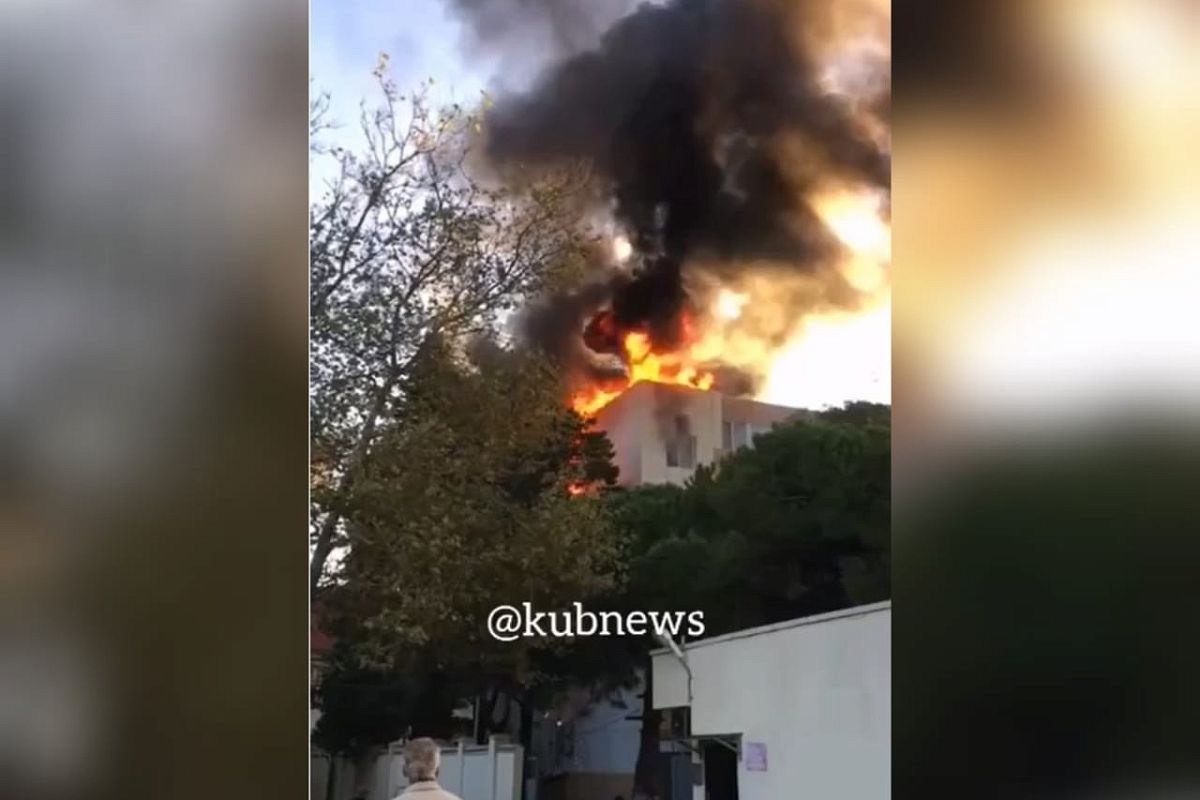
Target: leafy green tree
x=364, y=707
x=471, y=499
x=786, y=519
x=407, y=243
x=795, y=525
x=859, y=412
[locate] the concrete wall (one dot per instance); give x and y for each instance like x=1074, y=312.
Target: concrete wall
x=816, y=692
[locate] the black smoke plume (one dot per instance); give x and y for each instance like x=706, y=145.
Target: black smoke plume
x=525, y=27
x=680, y=107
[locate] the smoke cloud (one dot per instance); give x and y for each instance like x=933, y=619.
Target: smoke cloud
x=563, y=26
x=712, y=122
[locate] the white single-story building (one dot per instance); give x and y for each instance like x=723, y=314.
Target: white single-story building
x=796, y=709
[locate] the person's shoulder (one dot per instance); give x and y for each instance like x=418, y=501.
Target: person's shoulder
x=427, y=793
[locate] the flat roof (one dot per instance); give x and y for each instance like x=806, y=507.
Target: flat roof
x=845, y=613
x=735, y=401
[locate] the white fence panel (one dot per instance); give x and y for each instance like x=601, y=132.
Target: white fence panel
x=487, y=772
x=345, y=778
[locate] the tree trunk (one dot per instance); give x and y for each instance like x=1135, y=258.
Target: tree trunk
x=526, y=730
x=526, y=740
x=331, y=778
x=647, y=774
x=323, y=548
x=325, y=534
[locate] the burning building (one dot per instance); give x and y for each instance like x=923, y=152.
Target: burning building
x=741, y=155
x=742, y=159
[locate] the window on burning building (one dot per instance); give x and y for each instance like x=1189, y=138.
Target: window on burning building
x=735, y=435
x=681, y=446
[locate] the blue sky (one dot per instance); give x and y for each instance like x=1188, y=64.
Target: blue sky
x=422, y=39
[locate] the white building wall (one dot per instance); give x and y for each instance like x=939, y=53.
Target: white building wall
x=589, y=748
x=637, y=421
x=816, y=692
x=606, y=740
x=626, y=422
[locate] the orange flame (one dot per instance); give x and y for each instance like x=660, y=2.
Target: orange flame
x=644, y=364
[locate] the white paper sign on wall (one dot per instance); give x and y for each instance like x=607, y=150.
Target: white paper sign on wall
x=756, y=756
